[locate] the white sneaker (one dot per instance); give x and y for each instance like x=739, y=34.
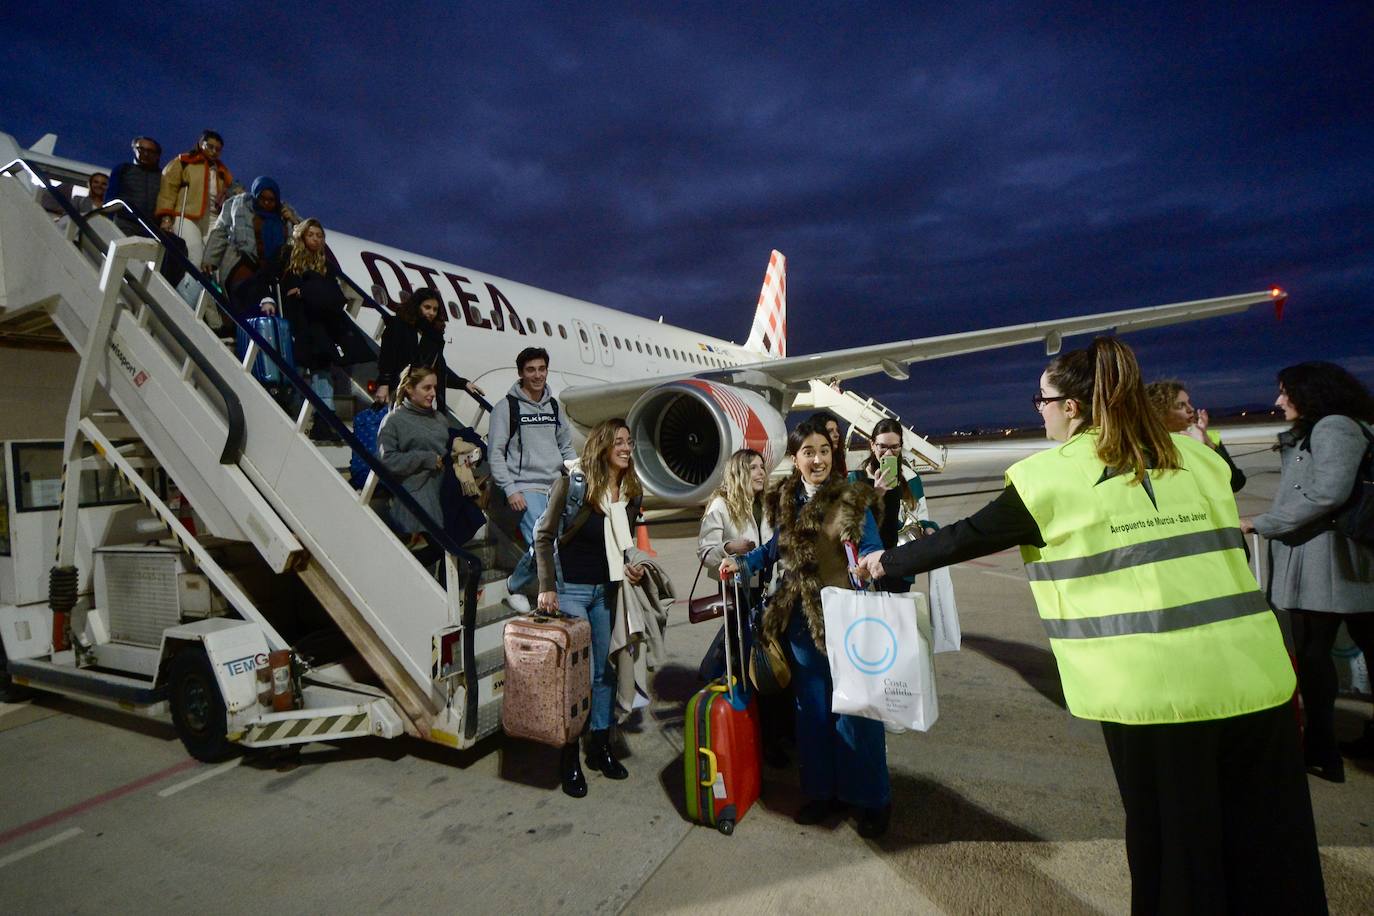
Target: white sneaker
x=518, y=603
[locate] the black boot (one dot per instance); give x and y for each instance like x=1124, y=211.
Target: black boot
x=599, y=756
x=570, y=770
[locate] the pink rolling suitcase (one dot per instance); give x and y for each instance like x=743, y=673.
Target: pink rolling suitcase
x=548, y=692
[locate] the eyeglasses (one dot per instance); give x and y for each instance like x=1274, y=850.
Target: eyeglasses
x=1039, y=401
x=881, y=447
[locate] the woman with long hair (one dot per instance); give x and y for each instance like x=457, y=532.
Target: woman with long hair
x=1170, y=400
x=734, y=522
x=1133, y=548
x=412, y=443
x=903, y=499
x=414, y=336
x=843, y=758
x=582, y=580
x=1322, y=577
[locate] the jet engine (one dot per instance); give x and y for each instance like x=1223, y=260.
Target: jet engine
x=685, y=430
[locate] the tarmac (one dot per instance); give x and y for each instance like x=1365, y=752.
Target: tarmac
x=1007, y=805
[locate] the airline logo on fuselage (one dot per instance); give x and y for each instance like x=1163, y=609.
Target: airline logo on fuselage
x=494, y=311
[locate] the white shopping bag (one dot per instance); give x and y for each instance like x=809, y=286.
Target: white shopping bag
x=879, y=648
x=944, y=613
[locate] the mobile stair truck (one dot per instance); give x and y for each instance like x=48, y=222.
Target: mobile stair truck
x=282, y=610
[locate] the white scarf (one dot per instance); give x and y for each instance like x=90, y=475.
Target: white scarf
x=617, y=533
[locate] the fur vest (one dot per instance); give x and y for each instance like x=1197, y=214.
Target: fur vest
x=810, y=549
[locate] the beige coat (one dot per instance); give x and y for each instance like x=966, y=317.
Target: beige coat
x=190, y=173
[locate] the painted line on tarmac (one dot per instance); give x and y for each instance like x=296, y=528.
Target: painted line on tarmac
x=40, y=846
x=199, y=778
x=94, y=801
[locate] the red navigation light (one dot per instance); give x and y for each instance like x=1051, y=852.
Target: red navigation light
x=1276, y=293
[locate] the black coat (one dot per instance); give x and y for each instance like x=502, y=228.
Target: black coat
x=405, y=345
x=322, y=334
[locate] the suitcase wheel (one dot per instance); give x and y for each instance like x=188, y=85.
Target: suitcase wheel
x=726, y=827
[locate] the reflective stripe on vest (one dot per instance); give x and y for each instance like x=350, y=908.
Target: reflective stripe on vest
x=1179, y=617
x=1183, y=545
x=1152, y=611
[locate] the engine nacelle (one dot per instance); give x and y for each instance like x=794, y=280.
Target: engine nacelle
x=685, y=430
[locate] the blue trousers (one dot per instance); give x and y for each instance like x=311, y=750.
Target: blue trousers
x=841, y=757
x=524, y=573
x=593, y=604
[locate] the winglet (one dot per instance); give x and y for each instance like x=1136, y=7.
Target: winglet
x=45, y=145
x=769, y=332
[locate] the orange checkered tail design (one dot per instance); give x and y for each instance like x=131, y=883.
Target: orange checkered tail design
x=769, y=333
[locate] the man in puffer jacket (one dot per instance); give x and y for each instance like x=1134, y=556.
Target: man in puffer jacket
x=527, y=455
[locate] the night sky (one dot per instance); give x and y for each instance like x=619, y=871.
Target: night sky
x=924, y=171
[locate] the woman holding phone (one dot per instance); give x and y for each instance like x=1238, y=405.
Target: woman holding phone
x=904, y=516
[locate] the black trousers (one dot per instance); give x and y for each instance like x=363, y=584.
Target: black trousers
x=1314, y=633
x=1218, y=817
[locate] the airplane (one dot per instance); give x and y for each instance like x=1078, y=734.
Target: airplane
x=690, y=399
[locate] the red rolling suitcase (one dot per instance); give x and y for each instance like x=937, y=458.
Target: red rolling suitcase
x=721, y=744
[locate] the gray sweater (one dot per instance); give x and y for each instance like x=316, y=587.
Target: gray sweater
x=531, y=457
x=411, y=441
x=1314, y=567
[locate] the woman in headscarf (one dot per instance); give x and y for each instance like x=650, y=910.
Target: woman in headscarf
x=245, y=241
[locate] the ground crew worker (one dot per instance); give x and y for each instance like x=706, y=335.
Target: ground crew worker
x=1131, y=541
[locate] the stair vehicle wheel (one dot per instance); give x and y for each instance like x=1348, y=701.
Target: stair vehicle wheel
x=10, y=692
x=197, y=707
x=726, y=827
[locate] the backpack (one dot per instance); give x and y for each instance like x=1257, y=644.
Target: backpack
x=1355, y=519
x=576, y=511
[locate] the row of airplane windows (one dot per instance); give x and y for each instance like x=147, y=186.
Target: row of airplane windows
x=635, y=346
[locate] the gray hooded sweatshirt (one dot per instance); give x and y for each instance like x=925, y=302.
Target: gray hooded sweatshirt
x=531, y=457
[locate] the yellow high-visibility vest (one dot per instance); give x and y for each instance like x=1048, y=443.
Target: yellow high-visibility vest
x=1151, y=609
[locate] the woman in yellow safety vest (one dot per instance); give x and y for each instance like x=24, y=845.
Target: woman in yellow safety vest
x=1132, y=544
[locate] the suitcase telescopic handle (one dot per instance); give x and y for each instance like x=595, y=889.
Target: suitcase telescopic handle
x=711, y=770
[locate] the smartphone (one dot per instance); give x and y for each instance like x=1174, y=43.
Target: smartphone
x=888, y=471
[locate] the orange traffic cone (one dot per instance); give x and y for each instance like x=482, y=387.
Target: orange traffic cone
x=642, y=538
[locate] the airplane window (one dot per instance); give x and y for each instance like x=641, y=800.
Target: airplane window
x=548, y=331
x=604, y=342
x=617, y=342
x=530, y=322
x=582, y=332
x=658, y=349
x=639, y=346
x=562, y=332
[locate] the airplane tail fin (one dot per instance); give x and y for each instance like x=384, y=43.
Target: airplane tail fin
x=769, y=332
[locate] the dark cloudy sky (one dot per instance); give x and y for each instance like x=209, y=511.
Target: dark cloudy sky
x=924, y=170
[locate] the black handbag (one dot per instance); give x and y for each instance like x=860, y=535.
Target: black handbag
x=1355, y=519
x=708, y=607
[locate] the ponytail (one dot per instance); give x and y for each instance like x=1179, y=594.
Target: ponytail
x=1105, y=381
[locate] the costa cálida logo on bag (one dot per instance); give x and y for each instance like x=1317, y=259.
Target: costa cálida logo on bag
x=878, y=637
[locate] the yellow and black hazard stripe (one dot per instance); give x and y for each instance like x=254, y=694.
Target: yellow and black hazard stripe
x=321, y=728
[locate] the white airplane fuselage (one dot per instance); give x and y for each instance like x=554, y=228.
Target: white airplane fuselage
x=491, y=319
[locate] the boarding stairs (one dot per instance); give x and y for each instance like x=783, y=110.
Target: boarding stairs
x=250, y=472
x=862, y=414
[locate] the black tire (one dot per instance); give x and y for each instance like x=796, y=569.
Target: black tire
x=726, y=827
x=10, y=692
x=198, y=712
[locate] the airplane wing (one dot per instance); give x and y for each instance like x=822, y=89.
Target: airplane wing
x=893, y=358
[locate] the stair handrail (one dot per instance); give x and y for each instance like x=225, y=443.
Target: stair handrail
x=432, y=529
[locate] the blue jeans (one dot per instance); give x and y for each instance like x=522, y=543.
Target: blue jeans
x=525, y=573
x=593, y=604
x=842, y=757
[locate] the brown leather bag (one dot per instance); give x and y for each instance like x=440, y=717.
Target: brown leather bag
x=708, y=607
